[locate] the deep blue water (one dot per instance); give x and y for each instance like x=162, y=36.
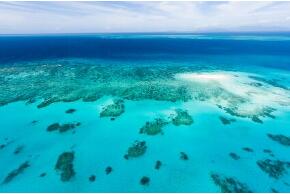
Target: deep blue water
x=140, y=47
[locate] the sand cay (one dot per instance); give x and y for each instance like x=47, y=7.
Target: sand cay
x=237, y=92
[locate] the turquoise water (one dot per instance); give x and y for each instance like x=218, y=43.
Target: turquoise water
x=235, y=101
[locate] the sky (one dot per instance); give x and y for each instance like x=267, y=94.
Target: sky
x=142, y=16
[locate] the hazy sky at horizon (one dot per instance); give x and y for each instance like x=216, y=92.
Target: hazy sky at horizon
x=90, y=17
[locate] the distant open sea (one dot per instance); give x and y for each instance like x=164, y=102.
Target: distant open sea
x=145, y=112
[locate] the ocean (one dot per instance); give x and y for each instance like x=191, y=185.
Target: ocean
x=145, y=112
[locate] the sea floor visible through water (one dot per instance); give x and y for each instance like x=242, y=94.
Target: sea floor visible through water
x=76, y=125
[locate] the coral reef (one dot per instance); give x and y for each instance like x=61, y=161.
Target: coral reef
x=34, y=122
x=272, y=82
x=42, y=174
x=226, y=121
x=53, y=127
x=62, y=128
x=267, y=151
x=145, y=180
x=109, y=169
x=113, y=110
x=137, y=149
x=274, y=168
x=64, y=165
x=247, y=149
x=234, y=156
x=70, y=111
x=92, y=178
x=282, y=139
x=69, y=81
x=158, y=164
x=263, y=112
x=229, y=184
x=18, y=149
x=4, y=145
x=16, y=172
x=182, y=118
x=183, y=156
x=153, y=127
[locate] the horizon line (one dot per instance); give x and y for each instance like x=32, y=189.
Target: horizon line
x=153, y=33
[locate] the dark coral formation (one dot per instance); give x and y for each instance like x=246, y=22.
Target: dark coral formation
x=257, y=119
x=267, y=151
x=265, y=112
x=158, y=164
x=182, y=118
x=183, y=156
x=92, y=178
x=282, y=139
x=247, y=149
x=145, y=180
x=274, y=190
x=108, y=170
x=70, y=111
x=272, y=82
x=18, y=149
x=16, y=172
x=137, y=149
x=62, y=128
x=4, y=145
x=226, y=121
x=153, y=127
x=64, y=165
x=53, y=127
x=255, y=84
x=234, y=156
x=34, y=122
x=113, y=110
x=229, y=184
x=274, y=168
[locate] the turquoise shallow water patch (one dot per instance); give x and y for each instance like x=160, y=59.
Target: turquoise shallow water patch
x=100, y=142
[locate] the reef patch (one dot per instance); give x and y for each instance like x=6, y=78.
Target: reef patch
x=153, y=127
x=226, y=121
x=62, y=128
x=16, y=172
x=113, y=110
x=158, y=164
x=137, y=149
x=281, y=139
x=267, y=151
x=145, y=181
x=182, y=118
x=70, y=111
x=183, y=156
x=92, y=178
x=64, y=165
x=18, y=149
x=234, y=156
x=272, y=82
x=247, y=149
x=109, y=170
x=229, y=184
x=274, y=168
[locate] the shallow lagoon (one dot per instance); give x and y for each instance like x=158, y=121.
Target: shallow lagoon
x=39, y=93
